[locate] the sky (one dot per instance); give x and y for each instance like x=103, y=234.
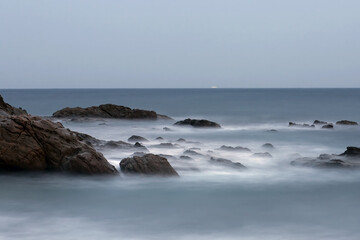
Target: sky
x=179, y=44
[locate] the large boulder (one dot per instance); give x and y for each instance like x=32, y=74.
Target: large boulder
x=30, y=143
x=148, y=164
x=346, y=122
x=198, y=123
x=7, y=109
x=108, y=111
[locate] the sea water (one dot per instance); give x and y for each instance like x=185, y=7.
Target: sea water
x=271, y=199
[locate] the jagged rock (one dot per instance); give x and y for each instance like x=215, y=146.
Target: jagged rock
x=268, y=146
x=140, y=146
x=292, y=124
x=328, y=126
x=148, y=164
x=192, y=152
x=107, y=111
x=351, y=152
x=30, y=143
x=135, y=138
x=226, y=163
x=236, y=149
x=346, y=122
x=318, y=122
x=263, y=155
x=7, y=109
x=198, y=123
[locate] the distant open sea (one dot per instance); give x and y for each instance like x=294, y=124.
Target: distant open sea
x=270, y=200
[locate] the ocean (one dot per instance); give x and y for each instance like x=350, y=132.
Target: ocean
x=271, y=199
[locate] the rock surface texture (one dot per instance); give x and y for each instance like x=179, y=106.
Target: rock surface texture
x=35, y=144
x=7, y=109
x=198, y=123
x=148, y=164
x=108, y=111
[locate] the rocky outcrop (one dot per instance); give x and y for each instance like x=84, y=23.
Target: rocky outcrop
x=235, y=149
x=148, y=164
x=135, y=138
x=108, y=111
x=318, y=122
x=30, y=143
x=351, y=152
x=6, y=109
x=328, y=126
x=226, y=163
x=198, y=123
x=346, y=122
x=292, y=124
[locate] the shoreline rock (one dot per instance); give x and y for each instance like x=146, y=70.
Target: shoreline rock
x=197, y=123
x=346, y=122
x=6, y=109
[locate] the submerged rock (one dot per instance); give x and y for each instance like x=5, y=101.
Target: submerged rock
x=328, y=126
x=226, y=163
x=181, y=140
x=159, y=138
x=184, y=157
x=135, y=138
x=236, y=149
x=148, y=164
x=351, y=152
x=292, y=124
x=192, y=152
x=346, y=122
x=318, y=122
x=165, y=145
x=7, y=109
x=107, y=111
x=30, y=143
x=262, y=155
x=198, y=123
x=268, y=146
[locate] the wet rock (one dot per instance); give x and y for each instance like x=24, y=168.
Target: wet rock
x=138, y=154
x=135, y=138
x=198, y=123
x=30, y=143
x=192, y=152
x=292, y=124
x=346, y=122
x=7, y=109
x=328, y=126
x=139, y=146
x=181, y=140
x=88, y=139
x=167, y=156
x=351, y=152
x=116, y=145
x=108, y=111
x=165, y=145
x=235, y=149
x=159, y=138
x=318, y=122
x=226, y=163
x=184, y=157
x=268, y=146
x=262, y=155
x=148, y=164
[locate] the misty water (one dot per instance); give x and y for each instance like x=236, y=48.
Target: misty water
x=271, y=199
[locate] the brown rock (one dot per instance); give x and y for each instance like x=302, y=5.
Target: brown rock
x=148, y=164
x=7, y=109
x=198, y=123
x=346, y=122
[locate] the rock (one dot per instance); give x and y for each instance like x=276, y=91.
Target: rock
x=184, y=157
x=268, y=146
x=351, y=152
x=236, y=149
x=262, y=155
x=89, y=139
x=292, y=124
x=272, y=130
x=346, y=122
x=148, y=164
x=318, y=122
x=107, y=111
x=116, y=145
x=159, y=138
x=167, y=156
x=193, y=153
x=7, y=109
x=181, y=140
x=165, y=145
x=30, y=143
x=226, y=163
x=167, y=129
x=140, y=146
x=138, y=154
x=198, y=123
x=135, y=138
x=332, y=163
x=328, y=126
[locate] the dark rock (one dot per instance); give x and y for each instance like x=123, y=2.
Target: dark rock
x=167, y=129
x=88, y=139
x=165, y=145
x=138, y=154
x=272, y=130
x=268, y=146
x=148, y=164
x=193, y=153
x=181, y=140
x=263, y=155
x=185, y=157
x=346, y=122
x=167, y=156
x=159, y=138
x=7, y=109
x=292, y=124
x=328, y=126
x=30, y=143
x=318, y=122
x=236, y=149
x=198, y=123
x=226, y=163
x=116, y=145
x=107, y=111
x=135, y=138
x=139, y=146
x=332, y=163
x=351, y=152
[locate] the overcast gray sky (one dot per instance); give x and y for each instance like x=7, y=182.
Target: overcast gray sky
x=184, y=43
